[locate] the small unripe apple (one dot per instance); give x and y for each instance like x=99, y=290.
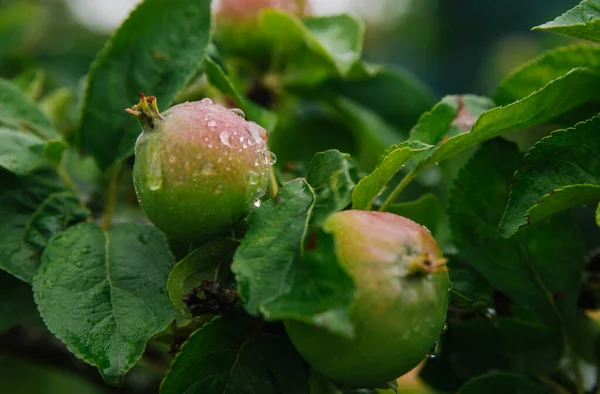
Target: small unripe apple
x=237, y=29
x=199, y=167
x=400, y=304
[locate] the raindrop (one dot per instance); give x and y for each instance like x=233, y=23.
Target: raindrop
x=256, y=163
x=206, y=101
x=490, y=312
x=211, y=123
x=242, y=139
x=224, y=137
x=210, y=146
x=257, y=202
x=205, y=139
x=244, y=146
x=434, y=352
x=208, y=168
x=155, y=176
x=253, y=177
x=445, y=328
x=270, y=158
x=238, y=112
x=258, y=133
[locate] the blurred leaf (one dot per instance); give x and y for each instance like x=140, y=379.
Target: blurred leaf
x=17, y=111
x=103, y=293
x=306, y=129
x=276, y=279
x=31, y=214
x=20, y=153
x=16, y=301
x=545, y=68
x=337, y=39
x=156, y=51
x=232, y=355
x=427, y=211
x=538, y=269
x=31, y=82
x=332, y=176
x=16, y=22
x=469, y=288
x=209, y=262
x=56, y=105
x=18, y=376
x=373, y=135
x=392, y=160
x=582, y=21
x=560, y=171
x=254, y=112
x=500, y=383
x=598, y=215
x=396, y=96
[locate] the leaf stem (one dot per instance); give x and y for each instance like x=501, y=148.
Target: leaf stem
x=66, y=178
x=398, y=189
x=111, y=196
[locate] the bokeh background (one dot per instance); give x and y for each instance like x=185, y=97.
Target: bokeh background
x=454, y=46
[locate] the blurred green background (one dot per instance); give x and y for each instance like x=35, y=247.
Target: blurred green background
x=455, y=46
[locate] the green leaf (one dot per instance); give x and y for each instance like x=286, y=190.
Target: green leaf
x=396, y=96
x=540, y=71
x=232, y=355
x=20, y=153
x=16, y=301
x=103, y=293
x=335, y=40
x=500, y=383
x=157, y=50
x=582, y=21
x=469, y=288
x=560, y=171
x=31, y=214
x=389, y=164
x=254, y=112
x=427, y=211
x=373, y=135
x=23, y=377
x=442, y=126
x=598, y=215
x=276, y=279
x=538, y=269
x=209, y=262
x=18, y=112
x=31, y=82
x=332, y=176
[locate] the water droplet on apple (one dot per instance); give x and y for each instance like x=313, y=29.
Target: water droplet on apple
x=238, y=112
x=206, y=100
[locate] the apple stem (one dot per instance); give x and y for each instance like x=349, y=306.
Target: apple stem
x=146, y=111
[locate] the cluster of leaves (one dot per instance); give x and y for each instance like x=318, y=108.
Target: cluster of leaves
x=110, y=286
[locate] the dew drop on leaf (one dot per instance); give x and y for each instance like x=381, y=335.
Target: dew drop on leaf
x=434, y=352
x=257, y=202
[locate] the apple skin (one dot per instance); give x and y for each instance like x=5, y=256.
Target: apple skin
x=199, y=167
x=399, y=309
